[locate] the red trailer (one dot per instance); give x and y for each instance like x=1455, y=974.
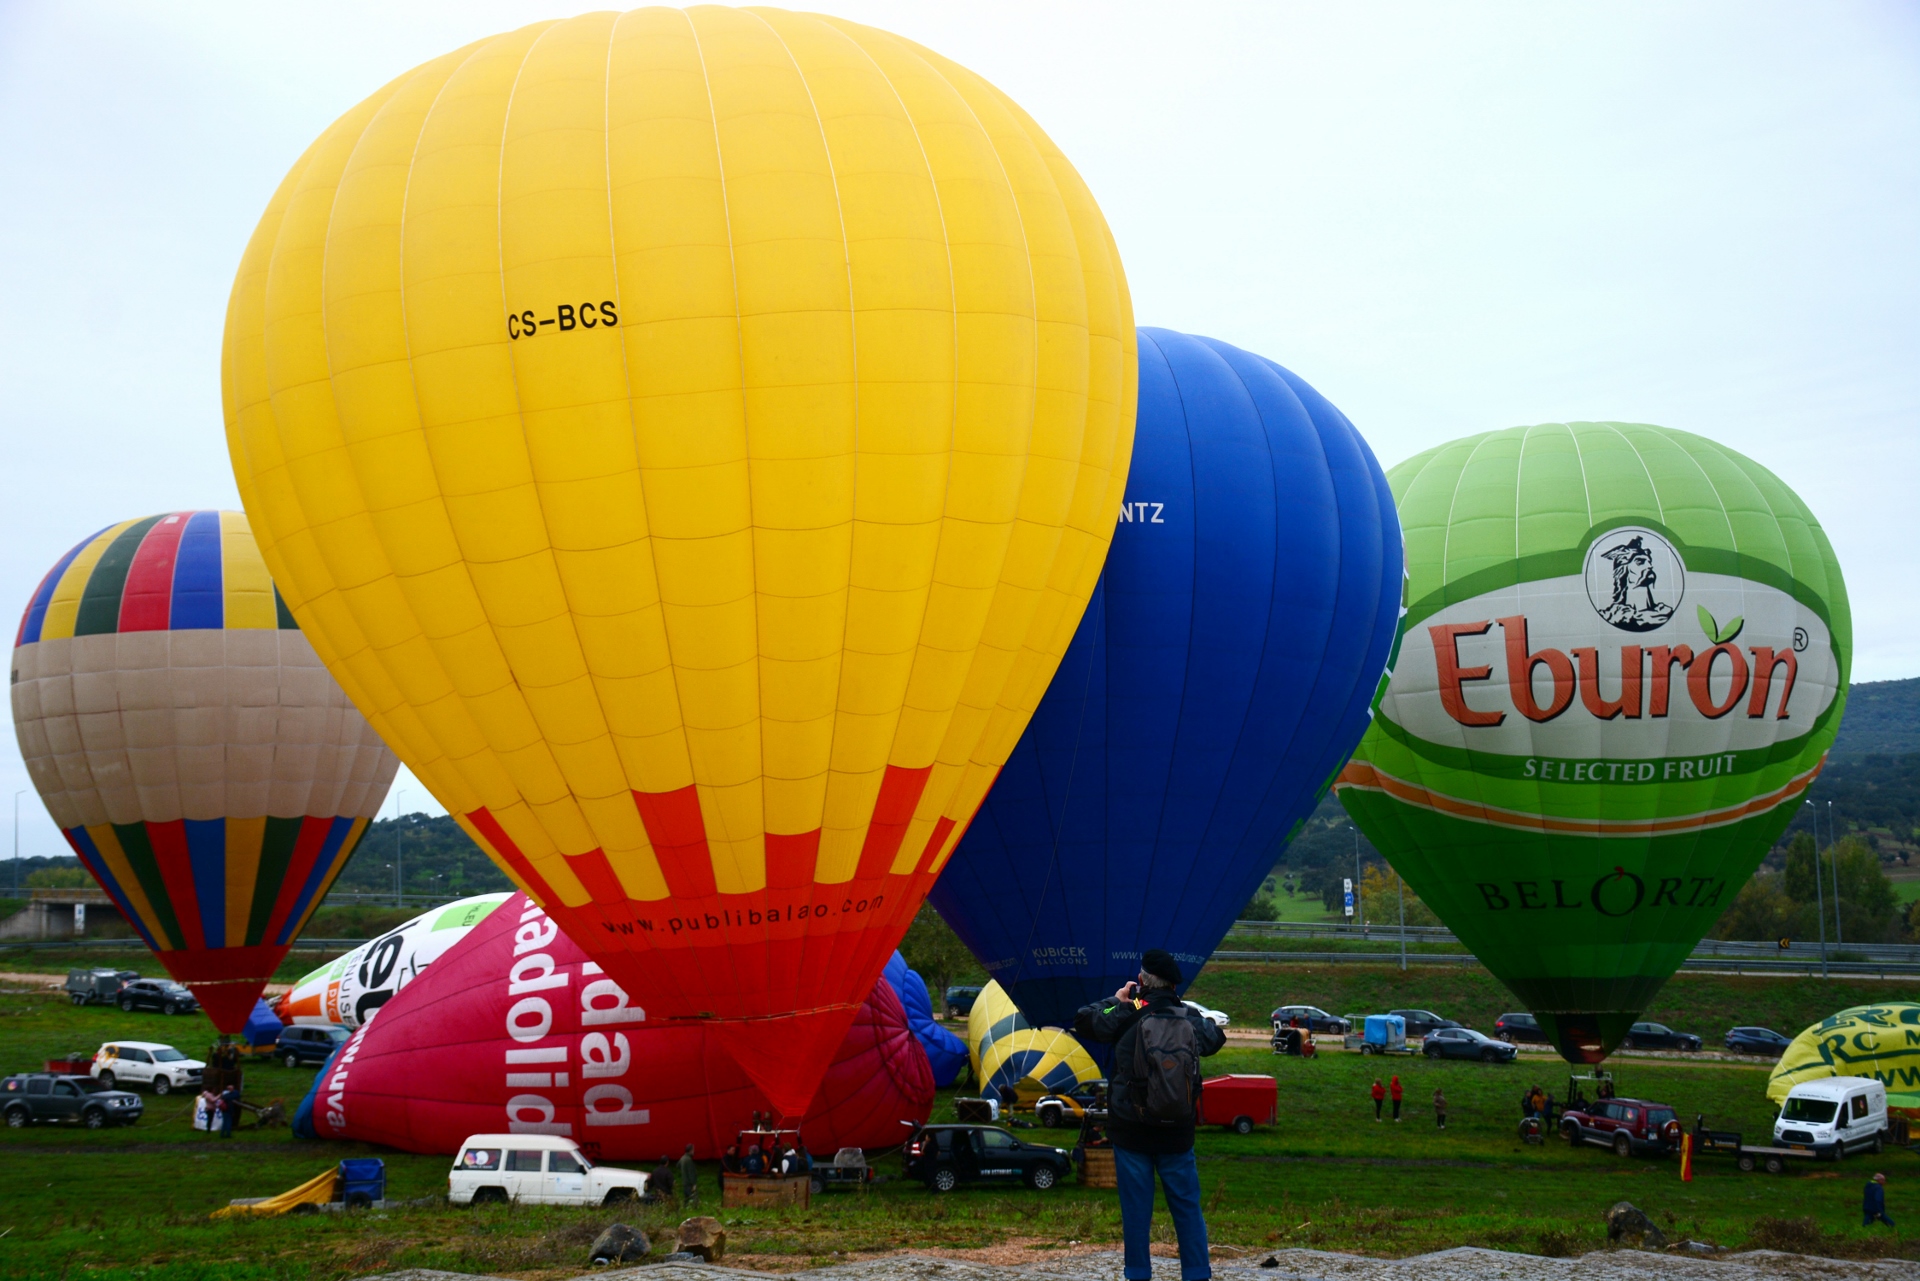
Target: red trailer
x=1240, y=1101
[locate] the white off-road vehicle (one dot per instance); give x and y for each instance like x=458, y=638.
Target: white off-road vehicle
x=536, y=1169
x=129, y=1063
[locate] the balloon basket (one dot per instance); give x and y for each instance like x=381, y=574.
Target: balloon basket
x=1098, y=1172
x=741, y=1190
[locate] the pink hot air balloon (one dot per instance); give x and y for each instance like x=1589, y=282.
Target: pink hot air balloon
x=515, y=1030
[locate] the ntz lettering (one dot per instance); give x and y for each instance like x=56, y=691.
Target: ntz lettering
x=1615, y=893
x=1142, y=513
x=1640, y=668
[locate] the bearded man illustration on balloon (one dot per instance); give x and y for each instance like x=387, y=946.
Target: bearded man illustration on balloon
x=1623, y=660
x=692, y=438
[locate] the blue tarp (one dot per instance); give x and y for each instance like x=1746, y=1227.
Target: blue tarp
x=946, y=1052
x=262, y=1027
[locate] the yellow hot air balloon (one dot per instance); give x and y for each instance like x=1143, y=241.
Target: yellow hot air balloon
x=692, y=438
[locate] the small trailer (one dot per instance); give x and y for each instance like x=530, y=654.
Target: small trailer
x=1729, y=1143
x=1378, y=1034
x=1240, y=1101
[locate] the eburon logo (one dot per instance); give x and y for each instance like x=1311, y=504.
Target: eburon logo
x=1635, y=579
x=1634, y=655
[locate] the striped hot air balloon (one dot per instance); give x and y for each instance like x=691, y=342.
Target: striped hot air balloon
x=1006, y=1049
x=194, y=751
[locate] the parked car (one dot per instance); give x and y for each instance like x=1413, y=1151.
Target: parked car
x=960, y=999
x=1658, y=1036
x=1218, y=1018
x=945, y=1156
x=146, y=1063
x=1421, y=1022
x=1757, y=1040
x=163, y=995
x=297, y=1045
x=43, y=1096
x=1465, y=1043
x=1515, y=1029
x=96, y=986
x=1312, y=1017
x=1628, y=1126
x=536, y=1169
x=1834, y=1116
x=1056, y=1110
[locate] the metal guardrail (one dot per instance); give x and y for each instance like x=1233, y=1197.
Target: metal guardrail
x=1805, y=965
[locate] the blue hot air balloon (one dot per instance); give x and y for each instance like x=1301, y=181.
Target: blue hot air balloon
x=1220, y=678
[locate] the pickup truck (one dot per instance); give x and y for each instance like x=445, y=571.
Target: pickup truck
x=42, y=1096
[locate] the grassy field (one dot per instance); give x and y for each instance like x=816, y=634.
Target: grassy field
x=133, y=1203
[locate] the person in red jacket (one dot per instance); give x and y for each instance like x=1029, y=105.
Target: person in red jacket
x=1395, y=1090
x=1379, y=1097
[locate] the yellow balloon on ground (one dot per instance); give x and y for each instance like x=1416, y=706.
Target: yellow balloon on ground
x=1877, y=1041
x=1007, y=1050
x=692, y=438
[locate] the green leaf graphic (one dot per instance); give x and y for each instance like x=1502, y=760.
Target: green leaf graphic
x=1712, y=629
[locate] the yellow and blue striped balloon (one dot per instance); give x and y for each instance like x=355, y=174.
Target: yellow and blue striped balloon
x=1007, y=1050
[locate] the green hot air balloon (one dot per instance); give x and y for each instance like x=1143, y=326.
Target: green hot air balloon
x=1623, y=659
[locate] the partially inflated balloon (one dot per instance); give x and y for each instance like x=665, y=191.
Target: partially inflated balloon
x=515, y=1031
x=1623, y=660
x=348, y=990
x=1006, y=1049
x=208, y=772
x=691, y=438
x=1220, y=677
x=1878, y=1041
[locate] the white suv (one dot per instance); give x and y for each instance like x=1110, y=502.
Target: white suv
x=130, y=1063
x=536, y=1169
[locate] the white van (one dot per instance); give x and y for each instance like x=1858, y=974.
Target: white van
x=536, y=1169
x=1834, y=1116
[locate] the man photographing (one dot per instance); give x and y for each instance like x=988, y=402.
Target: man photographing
x=1158, y=1043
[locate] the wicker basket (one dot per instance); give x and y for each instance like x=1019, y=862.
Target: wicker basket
x=1098, y=1171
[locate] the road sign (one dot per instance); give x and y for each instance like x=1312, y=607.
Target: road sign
x=1347, y=885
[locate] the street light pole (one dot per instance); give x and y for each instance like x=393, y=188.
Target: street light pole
x=399, y=876
x=1833, y=848
x=16, y=841
x=1359, y=899
x=1819, y=895
x=1400, y=888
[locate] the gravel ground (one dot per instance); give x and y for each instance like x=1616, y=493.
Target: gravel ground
x=1466, y=1264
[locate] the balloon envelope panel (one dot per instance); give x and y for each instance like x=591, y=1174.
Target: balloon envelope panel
x=209, y=773
x=1877, y=1041
x=1624, y=659
x=692, y=438
x=946, y=1053
x=1221, y=676
x=515, y=1030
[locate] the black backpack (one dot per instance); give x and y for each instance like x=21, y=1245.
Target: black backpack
x=1166, y=1068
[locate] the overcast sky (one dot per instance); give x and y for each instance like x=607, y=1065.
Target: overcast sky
x=1448, y=218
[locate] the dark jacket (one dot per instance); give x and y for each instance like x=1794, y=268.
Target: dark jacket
x=1876, y=1201
x=1114, y=1023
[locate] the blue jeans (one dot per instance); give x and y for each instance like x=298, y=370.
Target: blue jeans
x=1180, y=1180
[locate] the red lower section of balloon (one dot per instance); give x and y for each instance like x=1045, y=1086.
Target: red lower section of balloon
x=784, y=966
x=514, y=1030
x=226, y=981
